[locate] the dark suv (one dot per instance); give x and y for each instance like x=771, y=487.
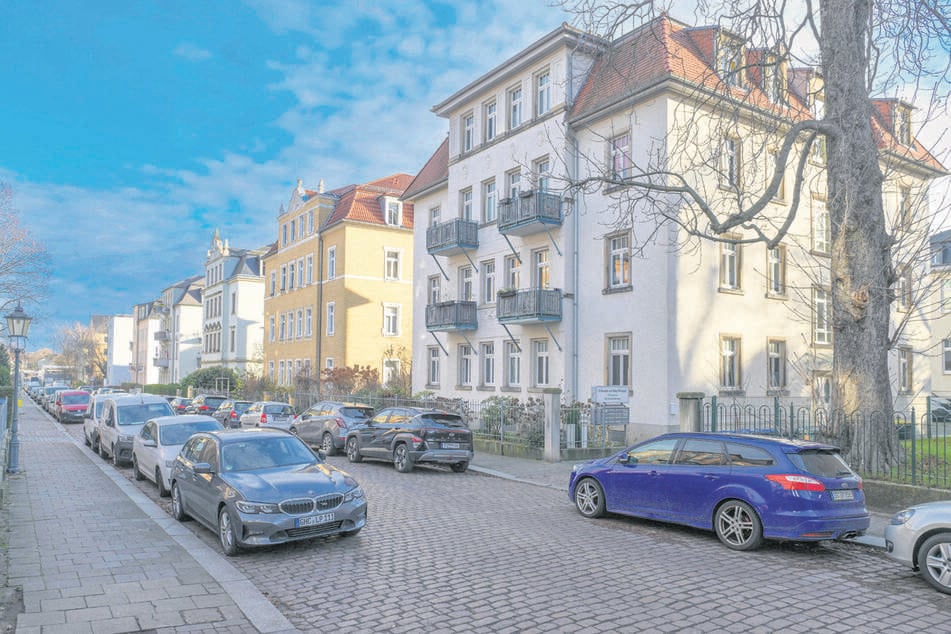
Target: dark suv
x=229, y=412
x=409, y=435
x=205, y=404
x=327, y=423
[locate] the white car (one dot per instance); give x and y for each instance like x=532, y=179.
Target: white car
x=920, y=537
x=91, y=421
x=122, y=419
x=155, y=447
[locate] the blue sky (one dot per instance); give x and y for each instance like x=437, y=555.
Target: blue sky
x=129, y=131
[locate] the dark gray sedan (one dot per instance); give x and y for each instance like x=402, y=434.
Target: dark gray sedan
x=258, y=487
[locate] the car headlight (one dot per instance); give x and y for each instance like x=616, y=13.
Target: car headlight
x=901, y=517
x=355, y=493
x=257, y=507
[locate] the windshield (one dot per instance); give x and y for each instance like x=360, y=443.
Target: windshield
x=264, y=453
x=75, y=399
x=140, y=412
x=178, y=433
x=821, y=462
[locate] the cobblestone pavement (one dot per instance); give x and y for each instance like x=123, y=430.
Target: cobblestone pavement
x=446, y=552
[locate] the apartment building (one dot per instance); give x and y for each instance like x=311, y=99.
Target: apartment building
x=146, y=322
x=119, y=346
x=180, y=330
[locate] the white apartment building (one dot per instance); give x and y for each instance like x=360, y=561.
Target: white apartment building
x=145, y=344
x=179, y=334
x=119, y=346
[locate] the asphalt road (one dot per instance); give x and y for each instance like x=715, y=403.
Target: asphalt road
x=446, y=552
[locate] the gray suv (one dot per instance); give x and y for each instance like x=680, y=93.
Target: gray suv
x=122, y=418
x=326, y=424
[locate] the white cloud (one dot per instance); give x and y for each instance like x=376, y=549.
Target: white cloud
x=192, y=52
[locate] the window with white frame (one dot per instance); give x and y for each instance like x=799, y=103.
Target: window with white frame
x=272, y=328
x=465, y=365
x=270, y=370
x=331, y=263
x=490, y=124
x=280, y=373
x=392, y=266
x=730, y=163
x=821, y=227
x=903, y=290
x=822, y=312
x=946, y=356
x=488, y=281
x=310, y=221
x=946, y=296
x=329, y=363
x=776, y=364
x=542, y=172
x=776, y=271
x=301, y=227
x=515, y=107
x=773, y=158
x=291, y=275
x=730, y=60
x=434, y=214
x=489, y=210
x=465, y=203
x=433, y=284
x=542, y=268
x=513, y=364
x=487, y=358
x=542, y=93
x=331, y=318
x=391, y=320
x=512, y=268
x=273, y=283
x=391, y=371
x=293, y=230
x=310, y=269
x=394, y=211
x=620, y=150
x=905, y=216
x=300, y=323
x=465, y=284
x=513, y=183
x=817, y=151
x=730, y=362
x=290, y=326
x=284, y=278
x=309, y=322
x=432, y=377
x=619, y=261
x=233, y=339
x=905, y=365
x=300, y=273
x=468, y=132
x=730, y=265
x=619, y=360
x=282, y=335
x=540, y=363
x=903, y=125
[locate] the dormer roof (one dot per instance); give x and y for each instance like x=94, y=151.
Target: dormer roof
x=364, y=203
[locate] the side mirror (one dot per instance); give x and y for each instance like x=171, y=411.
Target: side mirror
x=202, y=467
x=626, y=458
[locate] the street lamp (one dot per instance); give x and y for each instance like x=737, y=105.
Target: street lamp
x=18, y=324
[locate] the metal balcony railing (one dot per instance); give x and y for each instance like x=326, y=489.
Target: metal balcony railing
x=446, y=316
x=534, y=305
x=530, y=212
x=452, y=237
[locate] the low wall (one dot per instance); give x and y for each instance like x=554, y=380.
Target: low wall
x=889, y=497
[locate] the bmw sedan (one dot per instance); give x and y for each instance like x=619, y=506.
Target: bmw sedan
x=920, y=537
x=259, y=487
x=745, y=488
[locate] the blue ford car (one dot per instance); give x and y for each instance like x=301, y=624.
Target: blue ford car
x=746, y=488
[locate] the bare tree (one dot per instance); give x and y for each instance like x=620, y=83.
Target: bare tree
x=22, y=258
x=81, y=350
x=839, y=59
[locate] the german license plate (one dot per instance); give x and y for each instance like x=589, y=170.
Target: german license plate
x=315, y=520
x=844, y=494
x=450, y=445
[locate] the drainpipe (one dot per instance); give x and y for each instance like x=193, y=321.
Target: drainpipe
x=575, y=257
x=320, y=307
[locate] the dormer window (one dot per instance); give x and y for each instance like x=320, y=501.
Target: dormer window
x=394, y=212
x=903, y=125
x=730, y=60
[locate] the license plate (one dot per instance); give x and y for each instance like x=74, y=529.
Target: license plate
x=314, y=520
x=450, y=445
x=845, y=494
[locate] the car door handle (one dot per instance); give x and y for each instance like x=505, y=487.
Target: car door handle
x=710, y=476
x=655, y=474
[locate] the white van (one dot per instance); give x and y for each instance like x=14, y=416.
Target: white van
x=122, y=418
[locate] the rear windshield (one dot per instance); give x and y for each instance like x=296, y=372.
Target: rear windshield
x=141, y=412
x=177, y=434
x=214, y=400
x=442, y=420
x=821, y=462
x=357, y=412
x=75, y=399
x=277, y=409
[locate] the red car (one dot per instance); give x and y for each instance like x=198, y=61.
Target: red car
x=71, y=406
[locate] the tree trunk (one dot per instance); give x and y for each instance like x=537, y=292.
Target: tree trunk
x=861, y=260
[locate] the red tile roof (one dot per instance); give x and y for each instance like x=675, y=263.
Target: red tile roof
x=364, y=203
x=434, y=171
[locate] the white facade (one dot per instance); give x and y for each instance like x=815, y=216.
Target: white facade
x=119, y=335
x=180, y=331
x=145, y=343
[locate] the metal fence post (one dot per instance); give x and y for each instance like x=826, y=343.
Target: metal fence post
x=713, y=414
x=914, y=460
x=553, y=424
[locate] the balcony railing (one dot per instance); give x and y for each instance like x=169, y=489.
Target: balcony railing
x=450, y=238
x=529, y=213
x=446, y=316
x=534, y=305
x=161, y=335
x=160, y=363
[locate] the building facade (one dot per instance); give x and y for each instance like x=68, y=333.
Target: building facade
x=180, y=330
x=147, y=318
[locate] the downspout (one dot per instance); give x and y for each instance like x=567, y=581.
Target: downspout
x=573, y=168
x=320, y=308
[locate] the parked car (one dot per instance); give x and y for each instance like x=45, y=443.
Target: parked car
x=326, y=424
x=122, y=418
x=920, y=537
x=49, y=399
x=91, y=420
x=71, y=405
x=258, y=487
x=744, y=488
x=156, y=445
x=180, y=404
x=229, y=412
x=268, y=414
x=205, y=404
x=407, y=436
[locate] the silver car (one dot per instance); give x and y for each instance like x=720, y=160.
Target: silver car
x=155, y=447
x=272, y=414
x=920, y=537
x=326, y=424
x=258, y=487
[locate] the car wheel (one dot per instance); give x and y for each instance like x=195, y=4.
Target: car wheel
x=589, y=498
x=401, y=459
x=162, y=491
x=135, y=469
x=102, y=451
x=327, y=444
x=738, y=526
x=353, y=450
x=178, y=507
x=459, y=467
x=934, y=561
x=86, y=440
x=115, y=456
x=226, y=533
x=94, y=443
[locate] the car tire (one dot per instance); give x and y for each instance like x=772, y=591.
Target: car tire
x=401, y=458
x=102, y=450
x=589, y=498
x=226, y=533
x=934, y=561
x=353, y=450
x=738, y=526
x=160, y=483
x=327, y=444
x=86, y=440
x=459, y=467
x=178, y=506
x=115, y=456
x=94, y=444
x=136, y=473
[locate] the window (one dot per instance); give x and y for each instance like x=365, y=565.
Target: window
x=309, y=322
x=488, y=363
x=270, y=370
x=300, y=323
x=512, y=266
x=465, y=365
x=542, y=269
x=273, y=283
x=300, y=273
x=773, y=81
x=513, y=365
x=280, y=373
x=542, y=170
x=310, y=269
x=513, y=182
x=776, y=271
x=393, y=211
x=331, y=263
x=619, y=360
x=391, y=320
x=817, y=152
x=905, y=364
x=290, y=326
x=465, y=203
x=822, y=388
x=489, y=212
x=905, y=216
x=730, y=363
x=331, y=318
x=776, y=364
x=465, y=284
x=488, y=282
x=542, y=93
x=701, y=453
x=903, y=125
x=946, y=296
x=291, y=275
x=329, y=363
x=432, y=378
x=620, y=157
x=619, y=261
x=301, y=225
x=730, y=163
x=946, y=356
x=730, y=61
x=822, y=331
x=515, y=107
x=656, y=452
x=434, y=214
x=272, y=327
x=773, y=166
x=903, y=292
x=283, y=235
x=310, y=221
x=293, y=230
x=283, y=331
x=490, y=125
x=730, y=265
x=540, y=362
x=468, y=132
x=283, y=278
x=821, y=227
x=433, y=287
x=392, y=265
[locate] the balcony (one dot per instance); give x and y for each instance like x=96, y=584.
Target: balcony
x=450, y=316
x=161, y=335
x=531, y=212
x=530, y=306
x=452, y=238
x=160, y=363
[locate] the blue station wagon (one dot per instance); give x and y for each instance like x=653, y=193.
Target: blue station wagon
x=745, y=488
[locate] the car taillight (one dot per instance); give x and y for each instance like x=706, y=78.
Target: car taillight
x=203, y=408
x=339, y=423
x=264, y=419
x=234, y=414
x=793, y=482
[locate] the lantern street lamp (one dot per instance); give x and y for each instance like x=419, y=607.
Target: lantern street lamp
x=18, y=324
